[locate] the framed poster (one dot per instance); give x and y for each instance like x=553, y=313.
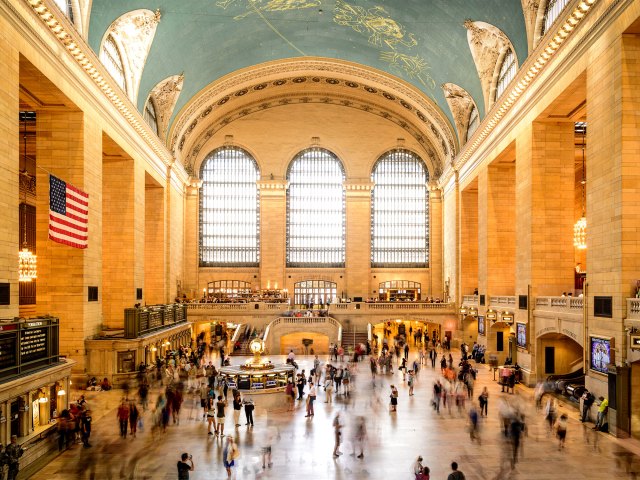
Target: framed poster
x=480, y=325
x=521, y=335
x=600, y=349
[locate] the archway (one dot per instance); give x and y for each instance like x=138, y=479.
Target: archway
x=469, y=329
x=635, y=400
x=558, y=354
x=304, y=343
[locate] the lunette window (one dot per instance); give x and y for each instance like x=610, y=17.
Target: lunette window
x=474, y=121
x=316, y=210
x=150, y=115
x=400, y=211
x=229, y=213
x=507, y=72
x=551, y=13
x=66, y=8
x=112, y=59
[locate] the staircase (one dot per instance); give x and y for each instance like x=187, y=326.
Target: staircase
x=247, y=334
x=351, y=338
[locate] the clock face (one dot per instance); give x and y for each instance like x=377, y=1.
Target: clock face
x=256, y=345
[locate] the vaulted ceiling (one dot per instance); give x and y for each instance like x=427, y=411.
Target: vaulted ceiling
x=422, y=42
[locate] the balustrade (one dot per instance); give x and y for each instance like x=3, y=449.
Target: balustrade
x=560, y=304
x=470, y=299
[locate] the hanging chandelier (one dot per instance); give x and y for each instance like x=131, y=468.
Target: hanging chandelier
x=580, y=227
x=27, y=261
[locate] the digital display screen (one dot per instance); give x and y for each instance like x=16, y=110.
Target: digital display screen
x=480, y=325
x=521, y=335
x=600, y=354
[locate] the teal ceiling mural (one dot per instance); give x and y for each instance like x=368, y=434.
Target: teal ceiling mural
x=422, y=42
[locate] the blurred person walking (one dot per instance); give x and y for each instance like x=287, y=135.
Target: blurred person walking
x=123, y=417
x=13, y=453
x=230, y=454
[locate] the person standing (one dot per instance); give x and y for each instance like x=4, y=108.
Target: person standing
x=311, y=397
x=328, y=387
x=220, y=406
x=248, y=410
x=417, y=465
x=455, y=474
x=337, y=429
x=211, y=416
x=13, y=453
x=587, y=401
x=85, y=426
x=123, y=417
x=237, y=407
x=184, y=468
x=410, y=382
x=134, y=414
x=603, y=408
x=484, y=402
x=406, y=351
x=359, y=436
x=394, y=398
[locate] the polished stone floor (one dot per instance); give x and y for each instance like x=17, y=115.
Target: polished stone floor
x=303, y=449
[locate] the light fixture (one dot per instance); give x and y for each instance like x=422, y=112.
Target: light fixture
x=27, y=261
x=580, y=227
x=463, y=310
x=43, y=396
x=491, y=315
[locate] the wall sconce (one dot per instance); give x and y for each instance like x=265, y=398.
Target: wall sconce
x=463, y=310
x=154, y=349
x=59, y=390
x=473, y=311
x=43, y=396
x=507, y=317
x=491, y=315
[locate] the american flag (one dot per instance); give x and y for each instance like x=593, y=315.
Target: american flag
x=68, y=214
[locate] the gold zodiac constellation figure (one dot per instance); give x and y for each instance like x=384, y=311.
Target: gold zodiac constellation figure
x=256, y=6
x=414, y=67
x=374, y=21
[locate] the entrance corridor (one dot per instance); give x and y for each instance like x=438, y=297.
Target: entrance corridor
x=303, y=448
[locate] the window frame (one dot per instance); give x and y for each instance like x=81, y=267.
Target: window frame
x=508, y=70
x=403, y=251
x=151, y=115
x=314, y=250
x=112, y=62
x=205, y=252
x=474, y=121
x=551, y=14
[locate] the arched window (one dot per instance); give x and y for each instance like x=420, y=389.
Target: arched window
x=150, y=115
x=66, y=8
x=474, y=121
x=551, y=13
x=317, y=292
x=229, y=214
x=315, y=210
x=112, y=59
x=400, y=211
x=507, y=72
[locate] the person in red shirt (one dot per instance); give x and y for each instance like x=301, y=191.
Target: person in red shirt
x=123, y=417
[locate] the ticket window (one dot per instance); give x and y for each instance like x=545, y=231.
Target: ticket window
x=126, y=362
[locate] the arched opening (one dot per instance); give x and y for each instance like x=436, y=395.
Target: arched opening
x=398, y=330
x=469, y=329
x=304, y=343
x=558, y=354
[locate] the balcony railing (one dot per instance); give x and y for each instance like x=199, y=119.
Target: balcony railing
x=140, y=321
x=336, y=307
x=503, y=301
x=470, y=299
x=633, y=308
x=560, y=304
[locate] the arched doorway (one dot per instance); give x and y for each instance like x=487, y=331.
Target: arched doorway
x=469, y=329
x=558, y=354
x=304, y=343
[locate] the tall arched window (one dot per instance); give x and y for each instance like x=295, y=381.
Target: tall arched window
x=474, y=121
x=551, y=13
x=400, y=211
x=507, y=72
x=112, y=59
x=150, y=115
x=66, y=8
x=229, y=214
x=315, y=210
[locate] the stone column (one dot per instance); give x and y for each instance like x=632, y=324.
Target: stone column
x=273, y=233
x=9, y=168
x=191, y=241
x=154, y=243
x=66, y=145
x=613, y=187
x=468, y=240
x=435, y=245
x=358, y=239
x=123, y=237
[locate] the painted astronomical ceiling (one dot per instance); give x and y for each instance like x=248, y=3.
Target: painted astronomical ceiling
x=421, y=42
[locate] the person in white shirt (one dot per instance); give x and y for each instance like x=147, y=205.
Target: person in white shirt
x=311, y=397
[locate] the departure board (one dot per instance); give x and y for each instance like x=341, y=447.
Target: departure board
x=8, y=350
x=33, y=344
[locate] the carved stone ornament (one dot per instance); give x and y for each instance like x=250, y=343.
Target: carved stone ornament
x=487, y=43
x=135, y=31
x=530, y=9
x=460, y=104
x=165, y=96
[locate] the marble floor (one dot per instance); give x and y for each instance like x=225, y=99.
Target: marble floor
x=304, y=446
